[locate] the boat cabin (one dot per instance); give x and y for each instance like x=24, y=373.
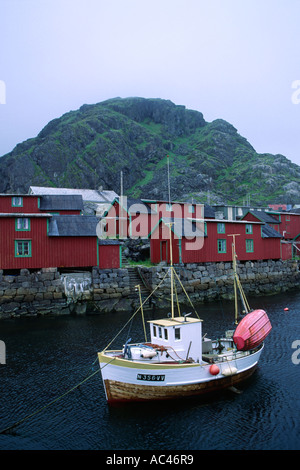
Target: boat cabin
x=182, y=336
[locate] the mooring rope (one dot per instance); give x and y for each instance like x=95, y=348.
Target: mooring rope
x=46, y=406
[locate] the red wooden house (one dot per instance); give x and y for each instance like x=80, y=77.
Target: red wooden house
x=288, y=223
x=212, y=242
x=135, y=218
x=32, y=238
x=126, y=218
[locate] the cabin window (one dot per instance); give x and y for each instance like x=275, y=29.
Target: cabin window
x=17, y=201
x=177, y=334
x=154, y=331
x=249, y=228
x=221, y=246
x=169, y=207
x=22, y=224
x=221, y=227
x=191, y=209
x=159, y=332
x=249, y=246
x=166, y=334
x=22, y=248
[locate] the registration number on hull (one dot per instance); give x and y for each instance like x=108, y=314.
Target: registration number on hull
x=151, y=378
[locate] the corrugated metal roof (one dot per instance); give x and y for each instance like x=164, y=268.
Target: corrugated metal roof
x=61, y=202
x=269, y=232
x=109, y=241
x=73, y=226
x=263, y=216
x=91, y=195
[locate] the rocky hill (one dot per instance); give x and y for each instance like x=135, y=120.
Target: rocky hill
x=89, y=147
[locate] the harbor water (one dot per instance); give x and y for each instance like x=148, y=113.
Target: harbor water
x=48, y=356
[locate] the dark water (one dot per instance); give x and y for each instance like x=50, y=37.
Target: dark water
x=46, y=357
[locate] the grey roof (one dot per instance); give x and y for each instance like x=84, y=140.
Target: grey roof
x=269, y=232
x=184, y=227
x=73, y=226
x=91, y=195
x=263, y=216
x=209, y=212
x=61, y=202
x=109, y=241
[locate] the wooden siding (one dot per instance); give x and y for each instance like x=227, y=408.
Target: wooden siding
x=109, y=256
x=287, y=250
x=186, y=251
x=160, y=245
x=268, y=248
x=29, y=204
x=45, y=251
x=135, y=225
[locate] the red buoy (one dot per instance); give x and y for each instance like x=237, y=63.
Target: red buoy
x=214, y=369
x=286, y=309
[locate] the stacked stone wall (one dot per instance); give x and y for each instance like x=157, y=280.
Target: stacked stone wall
x=208, y=281
x=44, y=292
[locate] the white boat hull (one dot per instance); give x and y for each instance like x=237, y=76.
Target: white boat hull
x=126, y=380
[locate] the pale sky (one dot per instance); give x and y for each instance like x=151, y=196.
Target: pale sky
x=232, y=59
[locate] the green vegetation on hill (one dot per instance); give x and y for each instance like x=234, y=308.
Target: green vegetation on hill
x=89, y=147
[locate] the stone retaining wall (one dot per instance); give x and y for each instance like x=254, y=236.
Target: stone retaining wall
x=48, y=292
x=209, y=281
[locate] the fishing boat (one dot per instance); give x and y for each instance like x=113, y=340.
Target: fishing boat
x=179, y=361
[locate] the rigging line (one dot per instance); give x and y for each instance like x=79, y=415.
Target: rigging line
x=245, y=301
x=51, y=402
x=186, y=294
x=137, y=311
x=177, y=301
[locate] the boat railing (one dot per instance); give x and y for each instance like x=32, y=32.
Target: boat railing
x=229, y=355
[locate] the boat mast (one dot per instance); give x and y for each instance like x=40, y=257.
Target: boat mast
x=172, y=274
x=171, y=250
x=141, y=306
x=235, y=275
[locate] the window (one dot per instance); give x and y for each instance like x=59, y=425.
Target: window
x=154, y=330
x=249, y=228
x=22, y=248
x=249, y=246
x=221, y=246
x=159, y=332
x=221, y=227
x=166, y=334
x=23, y=224
x=191, y=209
x=177, y=334
x=17, y=201
x=169, y=207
